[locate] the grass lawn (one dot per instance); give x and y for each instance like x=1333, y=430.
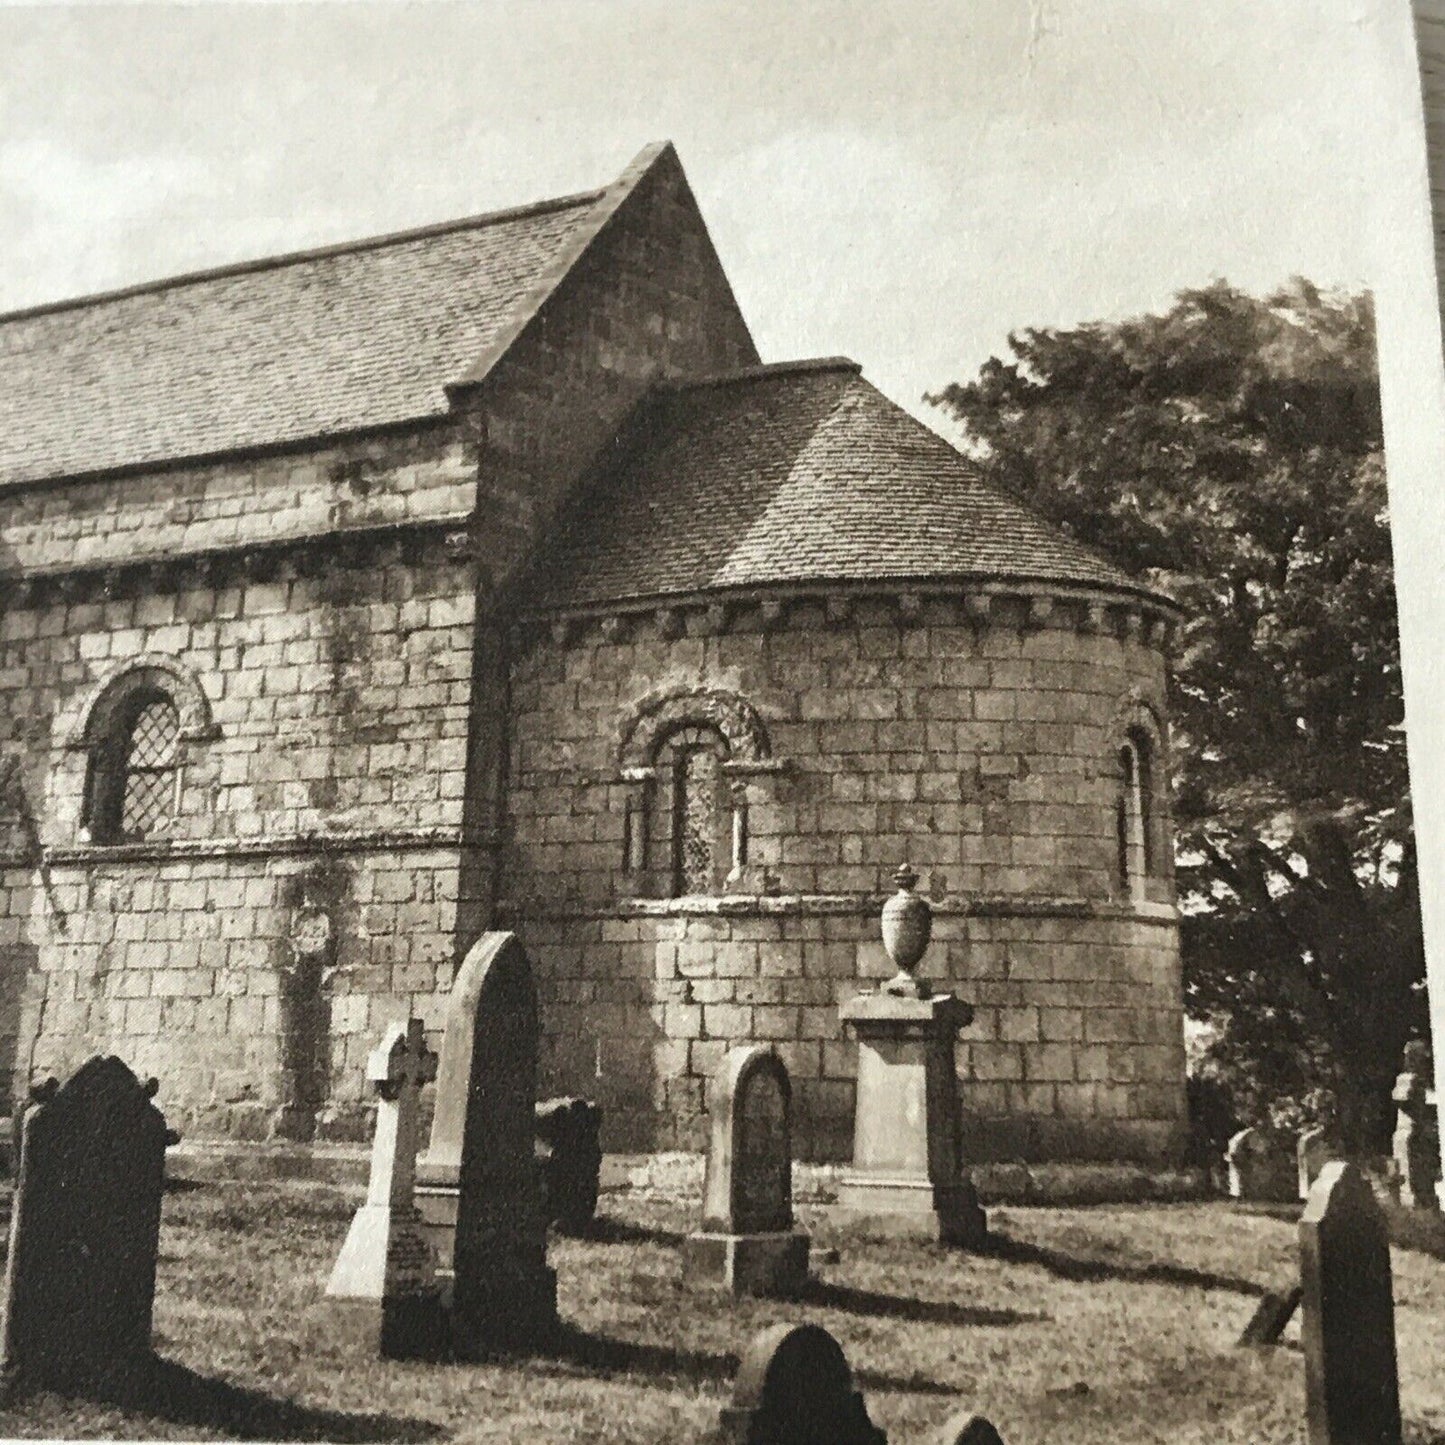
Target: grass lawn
x=1113, y=1323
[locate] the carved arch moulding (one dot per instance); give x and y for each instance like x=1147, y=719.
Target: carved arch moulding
x=89, y=716
x=659, y=714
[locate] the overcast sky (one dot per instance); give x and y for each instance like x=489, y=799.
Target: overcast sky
x=899, y=182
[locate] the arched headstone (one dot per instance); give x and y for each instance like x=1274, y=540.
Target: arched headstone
x=503, y=1296
x=969, y=1429
x=794, y=1387
x=80, y=1278
x=1261, y=1167
x=747, y=1237
x=1352, y=1389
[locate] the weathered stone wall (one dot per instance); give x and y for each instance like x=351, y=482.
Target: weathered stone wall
x=306, y=888
x=648, y=299
x=984, y=752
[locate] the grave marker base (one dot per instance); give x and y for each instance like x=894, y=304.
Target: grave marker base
x=749, y=1264
x=406, y=1328
x=911, y=1205
x=514, y=1312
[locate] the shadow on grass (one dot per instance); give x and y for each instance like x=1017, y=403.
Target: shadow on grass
x=168, y=1391
x=900, y=1307
x=1070, y=1267
x=607, y=1230
x=597, y=1354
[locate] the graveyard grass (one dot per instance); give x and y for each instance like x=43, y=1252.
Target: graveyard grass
x=1105, y=1324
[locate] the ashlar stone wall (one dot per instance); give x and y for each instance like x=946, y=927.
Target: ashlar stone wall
x=980, y=746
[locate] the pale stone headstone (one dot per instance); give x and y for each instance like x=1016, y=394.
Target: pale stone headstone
x=504, y=1296
x=794, y=1387
x=1352, y=1387
x=747, y=1237
x=1415, y=1146
x=386, y=1265
x=1314, y=1150
x=1260, y=1167
x=84, y=1230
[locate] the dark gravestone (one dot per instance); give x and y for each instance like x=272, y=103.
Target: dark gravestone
x=1271, y=1316
x=80, y=1279
x=969, y=1429
x=1351, y=1380
x=504, y=1296
x=569, y=1155
x=747, y=1237
x=794, y=1387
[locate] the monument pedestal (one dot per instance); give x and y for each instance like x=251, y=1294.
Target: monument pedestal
x=908, y=1131
x=751, y=1264
x=436, y=1193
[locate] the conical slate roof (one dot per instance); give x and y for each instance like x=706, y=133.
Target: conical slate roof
x=792, y=475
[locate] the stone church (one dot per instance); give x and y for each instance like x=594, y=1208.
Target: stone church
x=482, y=576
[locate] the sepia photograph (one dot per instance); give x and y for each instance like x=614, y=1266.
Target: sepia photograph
x=722, y=721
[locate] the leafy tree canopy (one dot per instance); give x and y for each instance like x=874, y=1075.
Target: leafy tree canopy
x=1230, y=452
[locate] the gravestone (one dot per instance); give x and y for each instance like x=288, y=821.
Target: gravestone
x=908, y=1154
x=569, y=1155
x=794, y=1387
x=1271, y=1316
x=504, y=1296
x=1314, y=1150
x=386, y=1273
x=80, y=1277
x=747, y=1237
x=1415, y=1146
x=1352, y=1390
x=969, y=1429
x=1261, y=1169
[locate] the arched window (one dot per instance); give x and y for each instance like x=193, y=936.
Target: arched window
x=134, y=776
x=1135, y=812
x=692, y=810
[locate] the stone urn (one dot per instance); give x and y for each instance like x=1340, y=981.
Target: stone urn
x=907, y=927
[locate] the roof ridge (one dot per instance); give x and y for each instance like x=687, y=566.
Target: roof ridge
x=315, y=253
x=762, y=372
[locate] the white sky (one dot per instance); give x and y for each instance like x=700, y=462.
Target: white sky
x=899, y=182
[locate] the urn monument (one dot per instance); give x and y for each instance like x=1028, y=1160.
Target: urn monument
x=908, y=1127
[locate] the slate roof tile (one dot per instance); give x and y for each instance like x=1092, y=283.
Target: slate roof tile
x=793, y=475
x=271, y=352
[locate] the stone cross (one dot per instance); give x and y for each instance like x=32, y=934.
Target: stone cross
x=385, y=1262
x=1352, y=1391
x=1416, y=1141
x=747, y=1237
x=84, y=1230
x=1312, y=1152
x=794, y=1387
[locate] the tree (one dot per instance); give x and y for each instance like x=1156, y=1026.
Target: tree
x=1230, y=452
